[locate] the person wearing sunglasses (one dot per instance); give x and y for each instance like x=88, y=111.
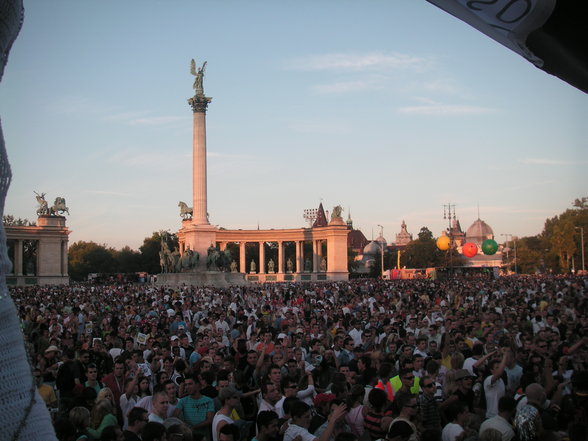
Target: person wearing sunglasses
x=429, y=414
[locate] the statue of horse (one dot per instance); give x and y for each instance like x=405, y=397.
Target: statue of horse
x=59, y=207
x=218, y=260
x=187, y=261
x=185, y=211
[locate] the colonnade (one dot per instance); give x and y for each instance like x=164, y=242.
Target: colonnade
x=298, y=265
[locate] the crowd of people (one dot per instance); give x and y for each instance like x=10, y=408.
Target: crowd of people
x=414, y=360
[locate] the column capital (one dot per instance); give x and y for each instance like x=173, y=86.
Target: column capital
x=199, y=103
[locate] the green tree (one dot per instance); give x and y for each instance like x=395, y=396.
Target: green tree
x=90, y=257
x=10, y=221
x=530, y=255
x=150, y=251
x=128, y=260
x=422, y=252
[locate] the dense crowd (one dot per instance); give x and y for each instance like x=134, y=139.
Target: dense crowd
x=415, y=360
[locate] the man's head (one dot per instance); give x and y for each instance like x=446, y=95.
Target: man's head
x=267, y=424
x=399, y=431
x=428, y=386
x=160, y=404
x=137, y=419
x=92, y=372
x=407, y=377
x=170, y=389
x=270, y=392
x=535, y=394
x=119, y=368
x=229, y=396
x=274, y=374
x=229, y=432
x=192, y=385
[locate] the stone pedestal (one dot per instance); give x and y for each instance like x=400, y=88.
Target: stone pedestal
x=203, y=278
x=198, y=238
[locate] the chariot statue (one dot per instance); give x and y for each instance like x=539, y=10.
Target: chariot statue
x=58, y=207
x=185, y=211
x=188, y=261
x=43, y=206
x=218, y=260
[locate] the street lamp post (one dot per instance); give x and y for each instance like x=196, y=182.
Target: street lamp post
x=449, y=215
x=514, y=240
x=382, y=249
x=582, y=241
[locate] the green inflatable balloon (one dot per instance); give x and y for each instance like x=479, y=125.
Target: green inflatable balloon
x=489, y=247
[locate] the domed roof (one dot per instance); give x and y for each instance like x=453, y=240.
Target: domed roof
x=372, y=248
x=479, y=231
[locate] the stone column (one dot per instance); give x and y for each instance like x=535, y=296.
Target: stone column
x=223, y=246
x=299, y=256
x=314, y=256
x=280, y=257
x=64, y=258
x=199, y=105
x=261, y=258
x=242, y=263
x=319, y=253
x=18, y=252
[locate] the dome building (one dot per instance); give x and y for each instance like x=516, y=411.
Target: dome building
x=477, y=233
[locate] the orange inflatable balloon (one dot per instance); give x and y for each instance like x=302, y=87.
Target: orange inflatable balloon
x=443, y=243
x=469, y=249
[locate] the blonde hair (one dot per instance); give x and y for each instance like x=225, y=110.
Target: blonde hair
x=100, y=410
x=490, y=435
x=457, y=360
x=102, y=394
x=79, y=417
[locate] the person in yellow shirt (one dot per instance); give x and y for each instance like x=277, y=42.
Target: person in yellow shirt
x=47, y=392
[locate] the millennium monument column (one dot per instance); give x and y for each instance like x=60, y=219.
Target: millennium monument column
x=198, y=234
x=199, y=103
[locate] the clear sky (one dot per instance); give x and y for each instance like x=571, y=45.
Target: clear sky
x=388, y=108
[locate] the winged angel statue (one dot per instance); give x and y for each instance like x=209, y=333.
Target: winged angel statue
x=199, y=74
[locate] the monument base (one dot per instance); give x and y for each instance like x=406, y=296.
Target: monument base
x=203, y=278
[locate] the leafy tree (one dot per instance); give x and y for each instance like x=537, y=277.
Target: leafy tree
x=531, y=255
x=150, y=251
x=562, y=239
x=90, y=257
x=10, y=221
x=422, y=252
x=580, y=203
x=128, y=260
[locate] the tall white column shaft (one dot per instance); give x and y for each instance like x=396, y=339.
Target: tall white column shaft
x=199, y=188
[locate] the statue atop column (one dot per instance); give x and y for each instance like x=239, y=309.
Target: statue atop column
x=43, y=206
x=199, y=102
x=57, y=209
x=199, y=80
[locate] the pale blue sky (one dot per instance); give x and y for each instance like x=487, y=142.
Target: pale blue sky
x=389, y=108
